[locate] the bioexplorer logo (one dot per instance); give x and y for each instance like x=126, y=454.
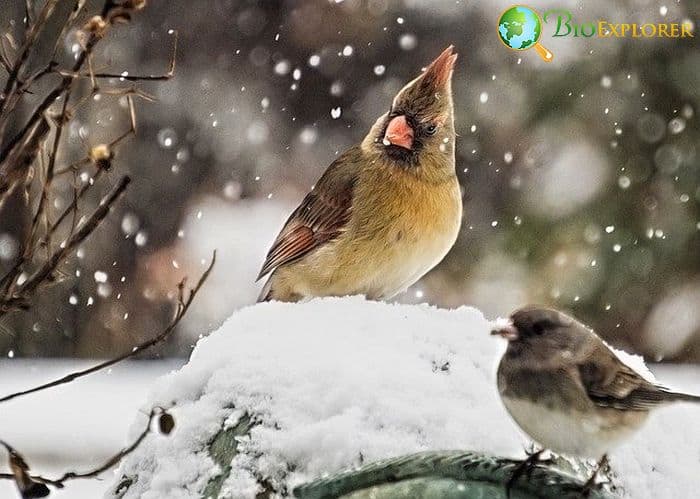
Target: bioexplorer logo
x=520, y=28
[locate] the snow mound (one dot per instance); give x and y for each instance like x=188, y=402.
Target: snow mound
x=339, y=382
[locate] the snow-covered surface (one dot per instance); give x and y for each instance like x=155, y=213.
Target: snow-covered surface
x=636, y=362
x=337, y=381
x=75, y=426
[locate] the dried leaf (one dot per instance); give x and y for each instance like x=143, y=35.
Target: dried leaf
x=28, y=488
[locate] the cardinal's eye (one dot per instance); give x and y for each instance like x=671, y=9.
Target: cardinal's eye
x=431, y=129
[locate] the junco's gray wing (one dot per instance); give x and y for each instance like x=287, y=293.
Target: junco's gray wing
x=558, y=389
x=320, y=217
x=610, y=383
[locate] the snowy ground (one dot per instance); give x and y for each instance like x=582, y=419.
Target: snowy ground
x=75, y=426
x=337, y=381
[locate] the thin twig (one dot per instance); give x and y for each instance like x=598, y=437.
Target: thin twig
x=4, y=58
x=32, y=79
x=100, y=168
x=61, y=87
x=136, y=92
x=50, y=168
x=125, y=76
x=59, y=483
x=16, y=166
x=77, y=7
x=24, y=51
x=17, y=298
x=79, y=195
x=112, y=11
x=33, y=141
x=182, y=308
x=74, y=210
x=11, y=40
x=73, y=167
x=29, y=17
x=35, y=117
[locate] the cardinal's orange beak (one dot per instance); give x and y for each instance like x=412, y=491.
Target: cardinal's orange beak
x=399, y=133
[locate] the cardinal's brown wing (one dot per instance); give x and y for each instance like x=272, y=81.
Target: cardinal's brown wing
x=611, y=383
x=321, y=216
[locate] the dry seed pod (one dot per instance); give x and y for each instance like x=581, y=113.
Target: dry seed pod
x=95, y=25
x=101, y=156
x=135, y=4
x=166, y=423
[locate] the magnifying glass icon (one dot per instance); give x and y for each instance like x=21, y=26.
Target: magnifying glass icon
x=519, y=28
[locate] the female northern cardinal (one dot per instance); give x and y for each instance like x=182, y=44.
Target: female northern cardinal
x=385, y=212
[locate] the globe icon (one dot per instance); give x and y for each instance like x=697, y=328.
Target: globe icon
x=519, y=27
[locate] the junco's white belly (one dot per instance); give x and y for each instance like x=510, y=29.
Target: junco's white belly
x=575, y=433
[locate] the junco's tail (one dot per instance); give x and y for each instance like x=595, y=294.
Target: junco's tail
x=682, y=397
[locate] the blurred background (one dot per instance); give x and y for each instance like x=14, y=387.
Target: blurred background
x=581, y=184
x=580, y=177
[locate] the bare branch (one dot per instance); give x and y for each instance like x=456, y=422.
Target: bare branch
x=15, y=167
x=77, y=7
x=4, y=58
x=125, y=76
x=78, y=196
x=27, y=144
x=133, y=91
x=182, y=308
x=102, y=161
x=48, y=179
x=17, y=298
x=31, y=79
x=111, y=13
x=33, y=144
x=11, y=40
x=59, y=483
x=34, y=118
x=29, y=17
x=24, y=51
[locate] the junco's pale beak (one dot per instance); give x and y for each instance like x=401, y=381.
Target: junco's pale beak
x=506, y=330
x=399, y=133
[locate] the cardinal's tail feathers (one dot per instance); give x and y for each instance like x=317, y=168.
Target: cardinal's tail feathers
x=266, y=293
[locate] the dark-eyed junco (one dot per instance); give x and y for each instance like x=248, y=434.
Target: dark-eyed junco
x=385, y=212
x=568, y=390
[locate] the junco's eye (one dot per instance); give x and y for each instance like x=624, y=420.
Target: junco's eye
x=539, y=327
x=431, y=129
